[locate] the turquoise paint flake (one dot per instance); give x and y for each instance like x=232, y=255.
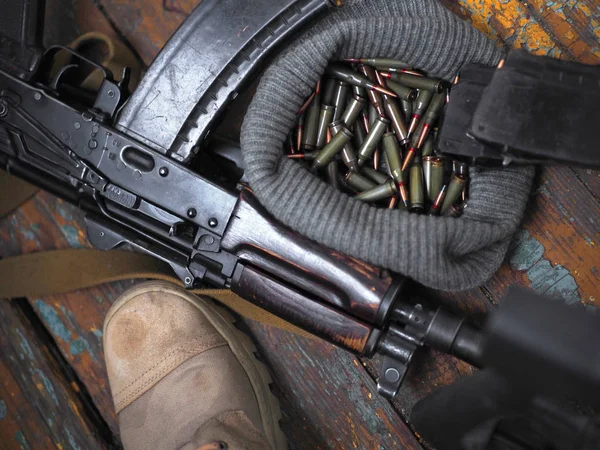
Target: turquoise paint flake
x=51, y=317
x=74, y=445
x=72, y=235
x=20, y=438
x=24, y=346
x=47, y=385
x=544, y=278
x=3, y=410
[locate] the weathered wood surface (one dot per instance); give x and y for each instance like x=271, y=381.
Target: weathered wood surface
x=39, y=406
x=328, y=400
x=74, y=319
x=327, y=396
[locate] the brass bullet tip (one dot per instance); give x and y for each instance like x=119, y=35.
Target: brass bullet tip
x=408, y=158
x=296, y=156
x=413, y=124
x=386, y=74
x=423, y=135
x=352, y=60
x=403, y=193
x=384, y=91
x=307, y=103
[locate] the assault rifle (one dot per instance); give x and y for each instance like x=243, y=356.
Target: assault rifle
x=127, y=161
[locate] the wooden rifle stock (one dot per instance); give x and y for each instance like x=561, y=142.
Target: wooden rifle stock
x=348, y=295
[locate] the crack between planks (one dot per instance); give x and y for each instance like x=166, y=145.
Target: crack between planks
x=98, y=4
x=91, y=413
x=585, y=185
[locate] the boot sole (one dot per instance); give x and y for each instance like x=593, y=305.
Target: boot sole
x=240, y=344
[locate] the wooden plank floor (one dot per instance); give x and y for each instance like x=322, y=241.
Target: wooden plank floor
x=53, y=389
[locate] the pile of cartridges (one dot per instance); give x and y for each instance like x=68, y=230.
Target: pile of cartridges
x=369, y=129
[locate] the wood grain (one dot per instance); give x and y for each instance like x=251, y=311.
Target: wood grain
x=74, y=319
x=39, y=408
x=327, y=398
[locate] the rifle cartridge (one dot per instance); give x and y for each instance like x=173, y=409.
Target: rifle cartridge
x=455, y=188
x=417, y=194
x=328, y=91
x=421, y=104
x=306, y=156
x=359, y=133
x=333, y=174
x=374, y=96
x=340, y=98
x=379, y=192
x=349, y=157
x=375, y=175
x=358, y=182
x=403, y=92
x=335, y=146
x=359, y=91
x=431, y=115
x=427, y=149
x=415, y=81
x=351, y=77
x=353, y=110
x=392, y=152
x=394, y=114
x=407, y=109
x=437, y=202
x=311, y=123
x=372, y=139
x=325, y=118
x=382, y=62
x=299, y=131
x=433, y=172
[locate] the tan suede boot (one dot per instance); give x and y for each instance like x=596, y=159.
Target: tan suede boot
x=182, y=376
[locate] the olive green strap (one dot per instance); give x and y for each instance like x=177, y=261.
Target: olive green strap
x=13, y=192
x=58, y=271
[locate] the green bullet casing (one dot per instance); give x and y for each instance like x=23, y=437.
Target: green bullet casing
x=393, y=157
x=348, y=75
x=340, y=98
x=374, y=96
x=353, y=110
x=328, y=90
x=359, y=134
x=455, y=188
x=379, y=192
x=311, y=124
x=358, y=182
x=348, y=152
x=417, y=82
x=422, y=102
x=334, y=146
x=433, y=172
x=375, y=175
x=407, y=108
x=396, y=118
x=435, y=107
x=427, y=148
x=385, y=63
x=360, y=91
x=372, y=139
x=403, y=92
x=333, y=174
x=417, y=188
x=325, y=118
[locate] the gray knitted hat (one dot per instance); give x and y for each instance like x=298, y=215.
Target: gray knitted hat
x=440, y=252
